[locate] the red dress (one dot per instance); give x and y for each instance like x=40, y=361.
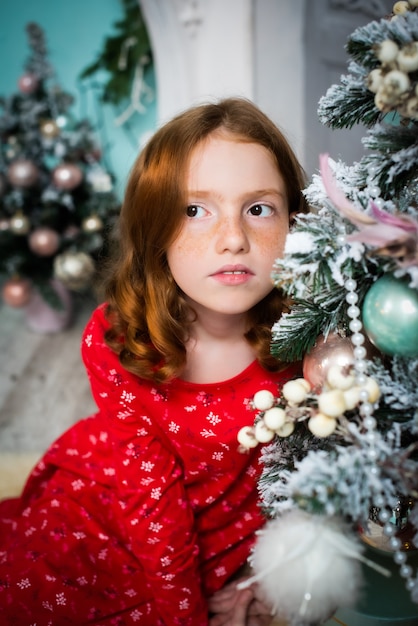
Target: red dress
x=138, y=513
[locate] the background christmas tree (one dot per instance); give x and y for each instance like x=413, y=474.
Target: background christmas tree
x=56, y=196
x=341, y=467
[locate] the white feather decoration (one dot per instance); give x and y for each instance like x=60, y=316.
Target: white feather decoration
x=307, y=566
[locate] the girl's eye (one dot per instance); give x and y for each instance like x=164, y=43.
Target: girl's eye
x=194, y=210
x=262, y=210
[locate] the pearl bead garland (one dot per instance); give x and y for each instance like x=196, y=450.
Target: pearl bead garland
x=366, y=410
x=373, y=189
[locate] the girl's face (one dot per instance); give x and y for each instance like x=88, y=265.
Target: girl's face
x=235, y=225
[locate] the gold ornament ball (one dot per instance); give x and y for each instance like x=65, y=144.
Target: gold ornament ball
x=74, y=269
x=67, y=176
x=44, y=241
x=92, y=224
x=49, y=129
x=19, y=224
x=23, y=173
x=16, y=292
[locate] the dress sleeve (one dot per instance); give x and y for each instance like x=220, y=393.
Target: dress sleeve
x=156, y=514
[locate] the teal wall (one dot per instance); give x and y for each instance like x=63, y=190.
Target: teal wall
x=75, y=31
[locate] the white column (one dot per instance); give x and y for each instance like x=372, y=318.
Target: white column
x=203, y=50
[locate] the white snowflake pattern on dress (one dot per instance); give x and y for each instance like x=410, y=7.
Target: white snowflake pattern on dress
x=122, y=415
x=136, y=615
x=61, y=599
x=72, y=452
x=207, y=433
x=127, y=396
x=220, y=571
x=213, y=419
x=145, y=482
x=115, y=378
x=158, y=396
x=79, y=535
x=147, y=466
x=156, y=493
x=184, y=604
x=152, y=541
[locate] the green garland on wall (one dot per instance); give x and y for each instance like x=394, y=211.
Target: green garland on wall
x=122, y=54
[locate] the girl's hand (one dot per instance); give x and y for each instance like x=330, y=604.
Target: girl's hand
x=233, y=607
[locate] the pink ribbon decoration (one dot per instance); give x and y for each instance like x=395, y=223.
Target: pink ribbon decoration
x=392, y=235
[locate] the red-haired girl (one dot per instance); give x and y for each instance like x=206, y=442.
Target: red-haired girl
x=145, y=513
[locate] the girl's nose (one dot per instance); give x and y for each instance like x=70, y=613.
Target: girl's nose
x=232, y=236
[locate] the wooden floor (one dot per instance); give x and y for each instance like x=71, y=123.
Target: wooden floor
x=43, y=389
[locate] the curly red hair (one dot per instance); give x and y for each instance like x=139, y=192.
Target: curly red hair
x=148, y=312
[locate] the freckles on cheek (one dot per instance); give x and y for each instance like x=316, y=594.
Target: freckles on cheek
x=192, y=245
x=272, y=242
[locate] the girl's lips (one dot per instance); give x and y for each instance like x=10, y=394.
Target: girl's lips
x=232, y=275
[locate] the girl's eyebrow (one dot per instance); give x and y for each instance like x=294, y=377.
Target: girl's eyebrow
x=201, y=193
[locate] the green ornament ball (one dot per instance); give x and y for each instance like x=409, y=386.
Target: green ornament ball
x=390, y=316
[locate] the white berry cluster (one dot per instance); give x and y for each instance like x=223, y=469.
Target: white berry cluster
x=278, y=416
x=395, y=82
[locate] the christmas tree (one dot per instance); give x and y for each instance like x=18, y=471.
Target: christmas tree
x=56, y=197
x=339, y=483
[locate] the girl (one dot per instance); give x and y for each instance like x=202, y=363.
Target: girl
x=145, y=512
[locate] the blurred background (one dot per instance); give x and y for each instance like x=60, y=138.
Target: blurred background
x=76, y=34
x=127, y=67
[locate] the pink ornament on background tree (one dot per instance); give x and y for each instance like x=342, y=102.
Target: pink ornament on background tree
x=28, y=83
x=17, y=292
x=44, y=241
x=23, y=173
x=67, y=176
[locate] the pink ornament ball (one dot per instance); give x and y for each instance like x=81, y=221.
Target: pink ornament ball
x=16, y=292
x=23, y=173
x=334, y=350
x=67, y=176
x=44, y=241
x=28, y=83
x=4, y=224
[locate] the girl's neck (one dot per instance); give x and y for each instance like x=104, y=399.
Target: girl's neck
x=217, y=350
